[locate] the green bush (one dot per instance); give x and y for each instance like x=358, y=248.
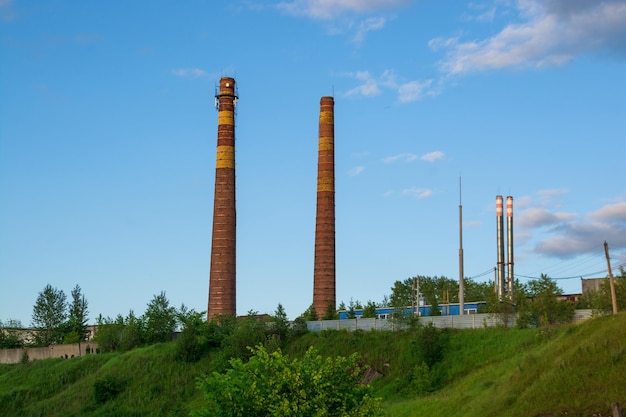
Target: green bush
x=107, y=388
x=272, y=385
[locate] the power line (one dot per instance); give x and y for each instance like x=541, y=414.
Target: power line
x=596, y=274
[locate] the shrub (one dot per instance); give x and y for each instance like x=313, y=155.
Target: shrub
x=107, y=388
x=272, y=385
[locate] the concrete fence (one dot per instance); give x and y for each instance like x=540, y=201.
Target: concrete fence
x=468, y=321
x=55, y=351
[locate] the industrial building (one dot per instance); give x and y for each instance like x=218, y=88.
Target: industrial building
x=451, y=309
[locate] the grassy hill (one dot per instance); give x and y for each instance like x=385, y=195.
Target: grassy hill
x=576, y=370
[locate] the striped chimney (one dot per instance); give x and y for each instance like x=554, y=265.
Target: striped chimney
x=509, y=243
x=500, y=244
x=222, y=281
x=324, y=268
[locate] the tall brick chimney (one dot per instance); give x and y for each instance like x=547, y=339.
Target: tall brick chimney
x=222, y=281
x=324, y=268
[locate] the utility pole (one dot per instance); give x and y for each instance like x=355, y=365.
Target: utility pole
x=461, y=279
x=608, y=263
x=413, y=297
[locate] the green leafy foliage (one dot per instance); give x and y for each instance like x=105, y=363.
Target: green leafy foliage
x=309, y=314
x=601, y=300
x=156, y=325
x=279, y=328
x=78, y=316
x=272, y=384
x=369, y=312
x=10, y=334
x=160, y=319
x=434, y=288
x=133, y=332
x=575, y=370
x=247, y=333
x=538, y=304
x=107, y=388
x=330, y=313
x=193, y=340
x=108, y=333
x=49, y=313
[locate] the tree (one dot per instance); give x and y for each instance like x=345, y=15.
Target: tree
x=190, y=344
x=78, y=318
x=538, y=304
x=401, y=293
x=247, y=333
x=477, y=291
x=159, y=319
x=369, y=312
x=351, y=314
x=48, y=316
x=600, y=300
x=331, y=312
x=273, y=385
x=108, y=333
x=10, y=334
x=280, y=324
x=432, y=288
x=309, y=314
x=133, y=332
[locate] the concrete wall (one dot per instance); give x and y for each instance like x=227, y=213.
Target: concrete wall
x=467, y=321
x=55, y=351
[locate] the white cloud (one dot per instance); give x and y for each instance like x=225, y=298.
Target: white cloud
x=192, y=73
x=413, y=90
x=356, y=171
x=582, y=237
x=406, y=157
x=539, y=217
x=552, y=32
x=417, y=192
x=611, y=213
x=331, y=9
x=432, y=156
x=371, y=86
x=410, y=157
x=550, y=194
x=366, y=26
x=566, y=235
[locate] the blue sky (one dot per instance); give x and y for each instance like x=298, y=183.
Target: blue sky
x=108, y=133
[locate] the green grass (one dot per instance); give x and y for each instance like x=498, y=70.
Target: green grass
x=577, y=370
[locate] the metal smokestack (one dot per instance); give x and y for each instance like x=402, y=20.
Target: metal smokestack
x=324, y=266
x=500, y=243
x=222, y=281
x=509, y=242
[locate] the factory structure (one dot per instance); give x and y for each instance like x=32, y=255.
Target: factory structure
x=324, y=297
x=504, y=283
x=222, y=277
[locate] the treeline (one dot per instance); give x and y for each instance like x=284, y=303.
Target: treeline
x=537, y=302
x=226, y=334
x=57, y=321
x=54, y=321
